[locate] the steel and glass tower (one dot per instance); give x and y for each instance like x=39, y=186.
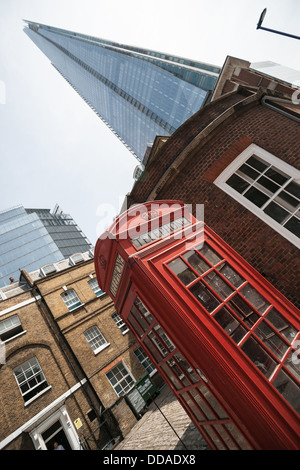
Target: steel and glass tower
x=33, y=238
x=138, y=93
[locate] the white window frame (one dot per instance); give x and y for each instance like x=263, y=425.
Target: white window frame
x=94, y=334
x=76, y=258
x=48, y=266
x=9, y=324
x=27, y=380
x=220, y=182
x=96, y=289
x=120, y=323
x=143, y=358
x=75, y=299
x=129, y=374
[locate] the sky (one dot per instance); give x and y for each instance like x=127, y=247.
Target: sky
x=53, y=147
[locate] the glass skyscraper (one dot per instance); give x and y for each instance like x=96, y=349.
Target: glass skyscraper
x=32, y=238
x=138, y=93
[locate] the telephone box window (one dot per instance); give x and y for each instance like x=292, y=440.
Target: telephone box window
x=260, y=358
x=142, y=309
x=230, y=324
x=209, y=254
x=288, y=389
x=231, y=275
x=182, y=271
x=196, y=261
x=117, y=273
x=204, y=296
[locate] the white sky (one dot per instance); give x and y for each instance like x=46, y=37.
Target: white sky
x=53, y=147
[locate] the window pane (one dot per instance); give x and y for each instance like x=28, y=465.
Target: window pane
x=218, y=285
x=293, y=364
x=237, y=183
x=288, y=389
x=271, y=339
x=243, y=310
x=260, y=358
x=204, y=296
x=230, y=274
x=277, y=175
x=255, y=298
x=276, y=212
x=250, y=172
x=196, y=262
x=192, y=406
x=293, y=225
x=209, y=254
x=256, y=163
x=287, y=200
x=294, y=189
x=268, y=184
x=230, y=324
x=280, y=323
x=182, y=271
x=257, y=197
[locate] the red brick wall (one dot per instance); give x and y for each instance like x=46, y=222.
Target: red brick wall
x=269, y=252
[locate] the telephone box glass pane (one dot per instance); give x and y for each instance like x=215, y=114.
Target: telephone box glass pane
x=196, y=261
x=288, y=389
x=204, y=296
x=182, y=271
x=259, y=357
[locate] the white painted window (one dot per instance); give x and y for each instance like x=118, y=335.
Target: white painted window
x=10, y=327
x=95, y=339
x=71, y=299
x=121, y=379
x=120, y=323
x=31, y=379
x=268, y=187
x=95, y=287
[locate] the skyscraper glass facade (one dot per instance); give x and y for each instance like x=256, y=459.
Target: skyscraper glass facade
x=26, y=242
x=138, y=93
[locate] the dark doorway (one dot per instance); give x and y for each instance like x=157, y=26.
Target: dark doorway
x=56, y=434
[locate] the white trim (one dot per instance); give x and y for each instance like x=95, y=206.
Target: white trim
x=16, y=336
x=39, y=415
x=37, y=395
x=21, y=304
x=67, y=426
x=104, y=346
x=273, y=160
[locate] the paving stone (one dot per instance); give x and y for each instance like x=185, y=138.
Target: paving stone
x=164, y=427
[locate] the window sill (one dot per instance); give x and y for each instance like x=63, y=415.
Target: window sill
x=125, y=332
x=97, y=351
x=37, y=395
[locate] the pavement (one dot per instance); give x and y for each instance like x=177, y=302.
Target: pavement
x=164, y=426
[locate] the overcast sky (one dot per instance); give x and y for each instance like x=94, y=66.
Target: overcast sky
x=53, y=147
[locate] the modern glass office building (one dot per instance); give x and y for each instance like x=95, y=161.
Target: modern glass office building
x=138, y=93
x=32, y=238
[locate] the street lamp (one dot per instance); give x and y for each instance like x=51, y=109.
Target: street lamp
x=259, y=26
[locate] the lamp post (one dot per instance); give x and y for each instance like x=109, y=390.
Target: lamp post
x=259, y=26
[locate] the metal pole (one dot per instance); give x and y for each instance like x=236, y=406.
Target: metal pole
x=259, y=26
x=279, y=32
x=169, y=423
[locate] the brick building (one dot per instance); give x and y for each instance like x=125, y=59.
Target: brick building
x=239, y=156
x=67, y=361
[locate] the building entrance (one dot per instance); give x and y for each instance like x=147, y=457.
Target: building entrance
x=55, y=433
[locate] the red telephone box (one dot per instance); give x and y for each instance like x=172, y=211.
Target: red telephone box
x=223, y=338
